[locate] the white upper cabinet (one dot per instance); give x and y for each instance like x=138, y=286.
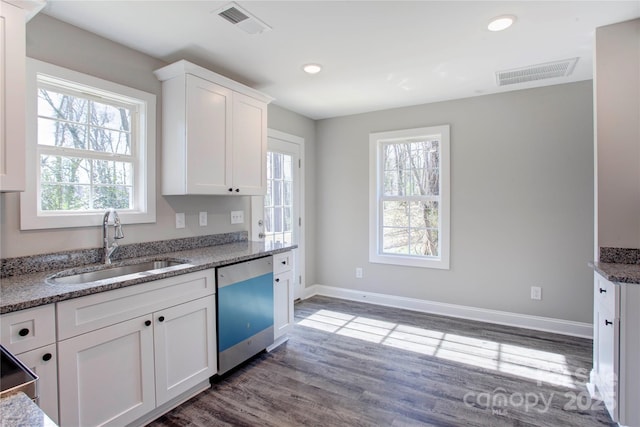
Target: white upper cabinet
x=214, y=133
x=13, y=17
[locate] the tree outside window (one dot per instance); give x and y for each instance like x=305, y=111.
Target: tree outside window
x=410, y=197
x=85, y=151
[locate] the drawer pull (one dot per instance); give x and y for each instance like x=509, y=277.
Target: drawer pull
x=161, y=319
x=277, y=280
x=147, y=323
x=603, y=291
x=47, y=356
x=23, y=332
x=607, y=323
x=283, y=262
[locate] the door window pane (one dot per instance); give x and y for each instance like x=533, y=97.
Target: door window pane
x=278, y=214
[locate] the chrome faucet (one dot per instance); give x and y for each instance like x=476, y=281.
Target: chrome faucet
x=117, y=234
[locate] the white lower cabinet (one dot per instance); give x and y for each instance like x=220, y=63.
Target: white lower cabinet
x=282, y=297
x=183, y=356
x=126, y=371
x=106, y=376
x=282, y=304
x=30, y=335
x=43, y=361
x=615, y=378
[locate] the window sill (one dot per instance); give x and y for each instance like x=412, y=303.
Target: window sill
x=408, y=261
x=92, y=219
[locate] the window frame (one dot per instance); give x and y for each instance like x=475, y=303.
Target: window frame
x=144, y=149
x=376, y=178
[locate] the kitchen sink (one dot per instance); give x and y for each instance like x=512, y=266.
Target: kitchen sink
x=145, y=268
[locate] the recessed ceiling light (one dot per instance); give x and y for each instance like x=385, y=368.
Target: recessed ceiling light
x=312, y=68
x=500, y=23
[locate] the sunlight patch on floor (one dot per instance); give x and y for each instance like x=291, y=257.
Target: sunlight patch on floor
x=525, y=362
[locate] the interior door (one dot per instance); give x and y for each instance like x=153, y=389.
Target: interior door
x=278, y=217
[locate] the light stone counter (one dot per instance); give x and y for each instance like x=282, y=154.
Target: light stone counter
x=22, y=291
x=619, y=265
x=18, y=410
x=619, y=273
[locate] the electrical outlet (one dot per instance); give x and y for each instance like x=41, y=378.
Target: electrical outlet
x=359, y=273
x=203, y=219
x=536, y=292
x=180, y=220
x=237, y=217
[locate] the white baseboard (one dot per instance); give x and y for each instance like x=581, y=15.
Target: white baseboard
x=547, y=324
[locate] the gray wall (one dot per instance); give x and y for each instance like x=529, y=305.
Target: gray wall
x=617, y=88
x=61, y=44
x=521, y=205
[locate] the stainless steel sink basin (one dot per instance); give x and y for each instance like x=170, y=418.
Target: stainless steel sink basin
x=145, y=268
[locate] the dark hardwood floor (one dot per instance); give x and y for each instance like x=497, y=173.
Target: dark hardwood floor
x=355, y=364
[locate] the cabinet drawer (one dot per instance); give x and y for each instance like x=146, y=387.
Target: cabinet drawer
x=282, y=262
x=25, y=330
x=85, y=314
x=606, y=295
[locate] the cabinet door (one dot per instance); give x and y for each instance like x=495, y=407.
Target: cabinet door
x=185, y=350
x=12, y=98
x=282, y=304
x=106, y=377
x=43, y=362
x=208, y=137
x=249, y=146
x=608, y=351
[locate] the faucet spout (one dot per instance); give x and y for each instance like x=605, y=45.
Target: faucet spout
x=109, y=248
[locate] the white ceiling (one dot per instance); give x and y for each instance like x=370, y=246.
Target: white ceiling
x=376, y=54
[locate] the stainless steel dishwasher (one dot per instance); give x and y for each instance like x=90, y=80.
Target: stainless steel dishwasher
x=245, y=311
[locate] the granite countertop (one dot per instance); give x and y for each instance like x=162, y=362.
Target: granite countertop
x=18, y=410
x=23, y=291
x=619, y=273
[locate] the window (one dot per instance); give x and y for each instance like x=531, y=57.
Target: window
x=90, y=147
x=409, y=197
x=278, y=202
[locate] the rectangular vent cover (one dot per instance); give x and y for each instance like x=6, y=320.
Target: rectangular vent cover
x=242, y=19
x=233, y=15
x=536, y=72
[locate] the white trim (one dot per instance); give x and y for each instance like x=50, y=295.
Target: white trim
x=376, y=140
x=257, y=210
x=146, y=176
x=546, y=324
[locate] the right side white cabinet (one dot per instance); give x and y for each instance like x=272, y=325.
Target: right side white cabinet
x=282, y=296
x=615, y=378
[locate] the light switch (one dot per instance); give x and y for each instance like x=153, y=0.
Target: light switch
x=180, y=220
x=203, y=219
x=237, y=217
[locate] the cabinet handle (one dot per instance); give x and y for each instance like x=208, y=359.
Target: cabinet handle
x=47, y=356
x=277, y=280
x=237, y=190
x=147, y=323
x=283, y=262
x=607, y=323
x=23, y=332
x=603, y=291
x=230, y=189
x=161, y=319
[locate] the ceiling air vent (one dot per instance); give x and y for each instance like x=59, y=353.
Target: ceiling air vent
x=242, y=19
x=536, y=72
